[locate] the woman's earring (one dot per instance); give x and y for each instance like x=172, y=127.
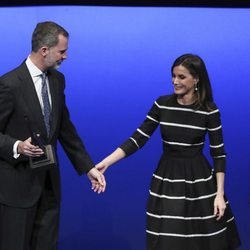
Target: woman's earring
x=196, y=87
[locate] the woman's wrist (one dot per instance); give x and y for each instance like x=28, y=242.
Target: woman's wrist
x=220, y=193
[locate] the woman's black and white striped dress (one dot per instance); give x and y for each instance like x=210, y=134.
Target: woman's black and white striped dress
x=180, y=211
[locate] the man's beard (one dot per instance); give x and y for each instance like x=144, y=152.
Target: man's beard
x=53, y=65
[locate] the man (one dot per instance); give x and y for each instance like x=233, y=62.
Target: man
x=32, y=101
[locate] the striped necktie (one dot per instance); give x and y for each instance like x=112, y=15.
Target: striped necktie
x=46, y=104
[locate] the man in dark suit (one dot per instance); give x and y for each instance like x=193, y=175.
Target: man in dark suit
x=30, y=197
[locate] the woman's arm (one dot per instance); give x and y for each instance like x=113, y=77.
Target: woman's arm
x=114, y=157
x=219, y=201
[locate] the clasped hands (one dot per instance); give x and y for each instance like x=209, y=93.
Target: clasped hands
x=97, y=178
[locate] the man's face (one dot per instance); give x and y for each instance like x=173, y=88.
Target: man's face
x=57, y=54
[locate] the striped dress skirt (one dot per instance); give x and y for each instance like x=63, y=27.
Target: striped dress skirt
x=180, y=208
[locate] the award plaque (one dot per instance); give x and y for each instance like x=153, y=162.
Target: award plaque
x=47, y=159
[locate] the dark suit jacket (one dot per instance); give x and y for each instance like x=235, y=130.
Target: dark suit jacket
x=21, y=186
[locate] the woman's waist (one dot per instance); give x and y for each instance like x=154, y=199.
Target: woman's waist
x=182, y=152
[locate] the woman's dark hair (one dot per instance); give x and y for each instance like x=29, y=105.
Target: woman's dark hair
x=196, y=67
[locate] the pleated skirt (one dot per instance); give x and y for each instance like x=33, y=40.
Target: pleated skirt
x=180, y=209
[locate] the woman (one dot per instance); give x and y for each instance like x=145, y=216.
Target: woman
x=187, y=208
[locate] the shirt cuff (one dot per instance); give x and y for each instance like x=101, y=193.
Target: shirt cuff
x=15, y=153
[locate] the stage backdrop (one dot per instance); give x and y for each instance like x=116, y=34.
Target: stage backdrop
x=118, y=63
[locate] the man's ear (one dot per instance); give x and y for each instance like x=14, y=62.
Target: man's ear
x=44, y=50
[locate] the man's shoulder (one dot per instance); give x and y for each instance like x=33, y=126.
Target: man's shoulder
x=15, y=72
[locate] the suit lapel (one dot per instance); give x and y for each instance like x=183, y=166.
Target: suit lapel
x=31, y=100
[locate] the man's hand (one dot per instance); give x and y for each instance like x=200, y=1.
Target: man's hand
x=97, y=180
x=28, y=149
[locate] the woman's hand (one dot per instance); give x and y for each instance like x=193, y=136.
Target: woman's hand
x=102, y=167
x=219, y=206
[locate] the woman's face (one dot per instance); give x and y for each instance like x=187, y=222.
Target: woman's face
x=184, y=83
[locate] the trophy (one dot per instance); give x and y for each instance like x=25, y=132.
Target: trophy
x=47, y=159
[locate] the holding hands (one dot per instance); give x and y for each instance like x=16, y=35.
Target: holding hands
x=99, y=184
x=102, y=166
x=97, y=180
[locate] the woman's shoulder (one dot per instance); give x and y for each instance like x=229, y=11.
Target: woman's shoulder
x=213, y=105
x=210, y=108
x=165, y=99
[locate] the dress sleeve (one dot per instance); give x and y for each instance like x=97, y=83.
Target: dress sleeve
x=217, y=150
x=144, y=132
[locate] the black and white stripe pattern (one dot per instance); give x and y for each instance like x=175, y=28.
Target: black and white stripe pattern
x=183, y=187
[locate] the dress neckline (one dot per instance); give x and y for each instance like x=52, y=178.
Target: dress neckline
x=183, y=105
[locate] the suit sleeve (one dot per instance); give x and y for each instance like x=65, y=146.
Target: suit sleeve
x=6, y=107
x=72, y=143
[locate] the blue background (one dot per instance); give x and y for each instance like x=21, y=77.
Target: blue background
x=119, y=62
